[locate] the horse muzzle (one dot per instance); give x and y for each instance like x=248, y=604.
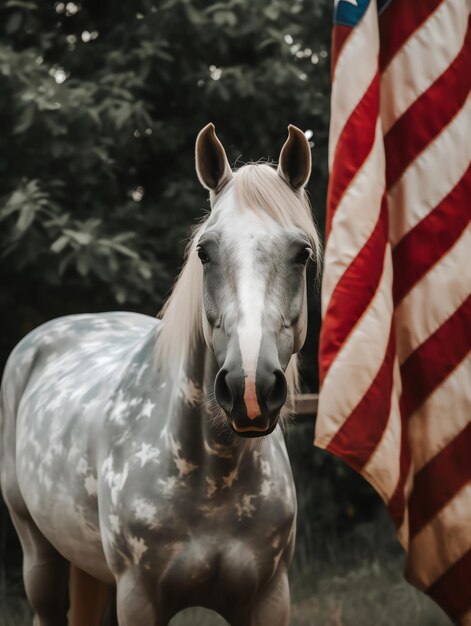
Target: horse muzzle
x=252, y=406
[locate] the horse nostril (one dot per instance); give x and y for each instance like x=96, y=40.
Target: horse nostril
x=277, y=395
x=222, y=391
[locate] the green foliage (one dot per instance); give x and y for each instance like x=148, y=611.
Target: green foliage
x=101, y=104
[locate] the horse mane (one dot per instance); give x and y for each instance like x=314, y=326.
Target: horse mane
x=257, y=187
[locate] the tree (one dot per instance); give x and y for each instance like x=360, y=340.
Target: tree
x=101, y=104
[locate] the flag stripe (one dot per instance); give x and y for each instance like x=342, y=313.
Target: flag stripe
x=339, y=38
x=371, y=335
x=382, y=468
x=359, y=205
x=368, y=416
x=427, y=242
x=430, y=493
x=429, y=555
x=451, y=590
x=425, y=308
x=429, y=179
x=398, y=22
x=358, y=133
x=357, y=286
x=433, y=361
x=439, y=419
x=418, y=65
x=428, y=115
x=348, y=87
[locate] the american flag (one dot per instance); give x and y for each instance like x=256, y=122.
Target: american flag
x=395, y=363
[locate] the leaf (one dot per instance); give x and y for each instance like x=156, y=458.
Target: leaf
x=122, y=114
x=145, y=271
x=161, y=54
x=222, y=18
x=83, y=264
x=26, y=218
x=120, y=248
x=272, y=12
x=59, y=244
x=81, y=238
x=95, y=115
x=120, y=295
x=13, y=23
x=21, y=4
x=25, y=120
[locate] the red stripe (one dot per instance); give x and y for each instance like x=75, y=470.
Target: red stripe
x=421, y=373
x=340, y=35
x=430, y=239
x=428, y=115
x=361, y=433
x=434, y=359
x=353, y=293
x=452, y=590
x=398, y=22
x=440, y=480
x=353, y=147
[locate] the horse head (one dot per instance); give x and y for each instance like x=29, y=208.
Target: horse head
x=253, y=250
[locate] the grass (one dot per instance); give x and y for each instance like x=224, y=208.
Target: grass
x=357, y=582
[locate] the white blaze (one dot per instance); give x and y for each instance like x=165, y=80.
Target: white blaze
x=244, y=230
x=251, y=293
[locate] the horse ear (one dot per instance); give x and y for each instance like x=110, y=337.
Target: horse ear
x=212, y=166
x=294, y=165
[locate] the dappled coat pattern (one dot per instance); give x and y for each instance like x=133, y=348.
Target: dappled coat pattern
x=148, y=453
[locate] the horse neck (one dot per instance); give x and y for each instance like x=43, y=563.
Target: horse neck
x=191, y=422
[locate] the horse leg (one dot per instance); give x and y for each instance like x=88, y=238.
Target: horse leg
x=45, y=574
x=273, y=605
x=91, y=601
x=136, y=602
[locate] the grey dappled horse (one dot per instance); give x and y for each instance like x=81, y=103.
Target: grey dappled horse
x=131, y=447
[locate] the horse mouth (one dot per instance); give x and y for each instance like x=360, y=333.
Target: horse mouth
x=252, y=430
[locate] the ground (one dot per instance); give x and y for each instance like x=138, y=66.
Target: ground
x=360, y=584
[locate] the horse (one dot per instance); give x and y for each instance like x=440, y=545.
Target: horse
x=148, y=453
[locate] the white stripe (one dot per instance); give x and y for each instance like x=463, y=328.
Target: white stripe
x=422, y=59
x=434, y=298
x=403, y=530
x=442, y=542
x=359, y=207
x=354, y=71
x=357, y=362
x=444, y=414
x=382, y=469
x=431, y=176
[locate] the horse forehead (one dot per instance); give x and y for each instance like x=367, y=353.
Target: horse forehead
x=233, y=221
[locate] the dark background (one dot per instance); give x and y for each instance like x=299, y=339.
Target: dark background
x=100, y=105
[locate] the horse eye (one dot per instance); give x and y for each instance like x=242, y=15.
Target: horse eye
x=303, y=255
x=203, y=255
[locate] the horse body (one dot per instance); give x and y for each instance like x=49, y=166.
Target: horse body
x=132, y=477
x=147, y=453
